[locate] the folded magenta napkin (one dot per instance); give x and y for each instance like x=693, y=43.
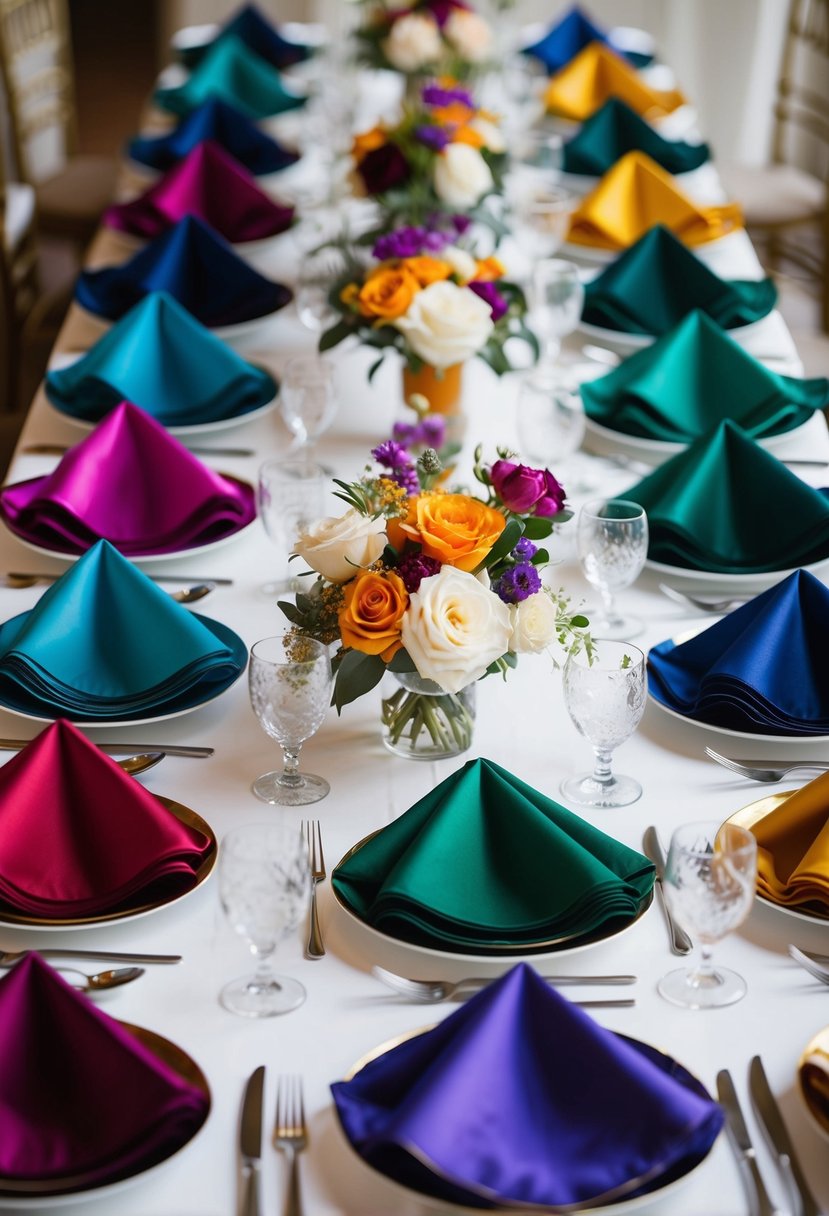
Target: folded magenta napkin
x=161, y=359
x=133, y=484
x=215, y=188
x=520, y=1097
x=215, y=120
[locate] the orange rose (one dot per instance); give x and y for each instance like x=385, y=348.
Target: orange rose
x=488, y=269
x=350, y=296
x=367, y=141
x=427, y=270
x=388, y=292
x=456, y=114
x=467, y=135
x=370, y=619
x=453, y=528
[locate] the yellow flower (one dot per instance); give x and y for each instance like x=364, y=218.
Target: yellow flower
x=388, y=292
x=467, y=135
x=455, y=114
x=427, y=270
x=371, y=616
x=489, y=268
x=367, y=141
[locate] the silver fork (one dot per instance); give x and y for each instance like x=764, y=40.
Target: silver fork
x=810, y=963
x=430, y=992
x=313, y=842
x=290, y=1135
x=767, y=772
x=704, y=605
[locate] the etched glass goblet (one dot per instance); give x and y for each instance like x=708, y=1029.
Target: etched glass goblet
x=612, y=543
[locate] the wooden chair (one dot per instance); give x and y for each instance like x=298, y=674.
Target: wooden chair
x=36, y=68
x=785, y=202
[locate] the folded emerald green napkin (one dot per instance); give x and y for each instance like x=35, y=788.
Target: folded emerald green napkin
x=615, y=129
x=655, y=283
x=693, y=378
x=523, y=869
x=234, y=73
x=727, y=505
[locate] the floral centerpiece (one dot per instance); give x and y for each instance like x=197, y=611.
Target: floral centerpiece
x=425, y=37
x=445, y=155
x=439, y=587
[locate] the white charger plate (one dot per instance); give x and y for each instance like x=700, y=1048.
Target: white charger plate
x=624, y=342
x=603, y=441
x=734, y=584
x=727, y=733
x=603, y=257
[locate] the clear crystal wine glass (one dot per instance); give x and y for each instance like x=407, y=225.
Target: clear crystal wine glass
x=290, y=690
x=604, y=691
x=307, y=398
x=612, y=544
x=264, y=887
x=541, y=219
x=710, y=878
x=557, y=298
x=290, y=496
x=320, y=269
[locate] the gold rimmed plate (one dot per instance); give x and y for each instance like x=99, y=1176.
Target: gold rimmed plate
x=60, y=1192
x=814, y=1064
x=138, y=909
x=607, y=1206
x=566, y=943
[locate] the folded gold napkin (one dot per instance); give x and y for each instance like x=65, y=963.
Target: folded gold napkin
x=793, y=848
x=595, y=75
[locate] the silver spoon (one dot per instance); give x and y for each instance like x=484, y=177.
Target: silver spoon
x=18, y=579
x=141, y=762
x=187, y=595
x=190, y=595
x=103, y=980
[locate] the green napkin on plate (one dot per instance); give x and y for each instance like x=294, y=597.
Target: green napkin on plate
x=655, y=283
x=234, y=73
x=615, y=129
x=693, y=378
x=725, y=504
x=486, y=861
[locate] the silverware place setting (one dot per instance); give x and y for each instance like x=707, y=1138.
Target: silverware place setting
x=60, y=449
x=8, y=958
x=290, y=1135
x=431, y=992
x=816, y=964
x=774, y=1128
x=102, y=981
x=652, y=848
x=250, y=1142
x=20, y=579
x=126, y=749
x=768, y=770
x=760, y=1203
x=185, y=595
x=312, y=836
x=717, y=606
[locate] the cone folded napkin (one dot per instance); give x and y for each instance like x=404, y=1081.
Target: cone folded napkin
x=571, y=34
x=234, y=73
x=583, y=86
x=257, y=33
x=616, y=129
x=224, y=125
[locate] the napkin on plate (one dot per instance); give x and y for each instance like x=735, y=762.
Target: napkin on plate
x=693, y=378
x=104, y=643
x=260, y=35
x=81, y=1097
x=234, y=73
x=64, y=850
x=655, y=283
x=813, y=1075
x=215, y=120
x=763, y=669
x=616, y=129
x=793, y=848
x=524, y=869
x=211, y=185
x=725, y=504
x=563, y=40
x=193, y=264
x=520, y=1097
x=636, y=194
x=584, y=84
x=163, y=360
x=135, y=485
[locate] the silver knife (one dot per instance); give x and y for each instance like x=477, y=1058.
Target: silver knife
x=680, y=941
x=771, y=1121
x=51, y=577
x=759, y=1201
x=250, y=1141
x=60, y=449
x=8, y=958
x=124, y=749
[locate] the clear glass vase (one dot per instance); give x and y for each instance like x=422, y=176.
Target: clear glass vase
x=423, y=722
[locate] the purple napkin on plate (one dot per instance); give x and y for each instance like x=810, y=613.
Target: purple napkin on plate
x=211, y=185
x=80, y=1097
x=132, y=483
x=520, y=1097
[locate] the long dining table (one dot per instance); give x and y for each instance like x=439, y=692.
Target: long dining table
x=522, y=724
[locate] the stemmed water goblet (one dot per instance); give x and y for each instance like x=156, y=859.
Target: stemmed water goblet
x=604, y=691
x=319, y=271
x=290, y=689
x=264, y=888
x=710, y=878
x=557, y=298
x=542, y=219
x=612, y=543
x=307, y=398
x=290, y=495
x=551, y=424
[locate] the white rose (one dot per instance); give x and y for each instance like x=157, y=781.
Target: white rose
x=336, y=546
x=469, y=34
x=414, y=42
x=463, y=264
x=454, y=628
x=490, y=133
x=533, y=624
x=461, y=176
x=446, y=324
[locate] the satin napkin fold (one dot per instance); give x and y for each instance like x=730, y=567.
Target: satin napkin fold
x=691, y=379
x=80, y=1095
x=234, y=73
x=65, y=853
x=133, y=484
x=655, y=283
x=763, y=669
x=260, y=35
x=584, y=84
x=212, y=186
x=525, y=870
x=725, y=504
x=616, y=129
x=563, y=40
x=104, y=643
x=195, y=266
x=635, y=195
x=520, y=1097
x=161, y=359
x=793, y=848
x=224, y=125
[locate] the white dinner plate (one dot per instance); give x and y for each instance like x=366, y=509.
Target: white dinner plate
x=727, y=733
x=729, y=584
x=625, y=343
x=603, y=257
x=606, y=442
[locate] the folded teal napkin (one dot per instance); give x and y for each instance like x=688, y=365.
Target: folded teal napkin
x=234, y=73
x=614, y=130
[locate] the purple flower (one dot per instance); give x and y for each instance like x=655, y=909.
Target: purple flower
x=414, y=568
x=408, y=243
x=525, y=549
x=433, y=137
x=442, y=10
x=525, y=490
x=383, y=169
x=489, y=292
x=519, y=583
x=390, y=455
x=461, y=224
x=432, y=431
x=405, y=475
x=434, y=95
x=404, y=433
